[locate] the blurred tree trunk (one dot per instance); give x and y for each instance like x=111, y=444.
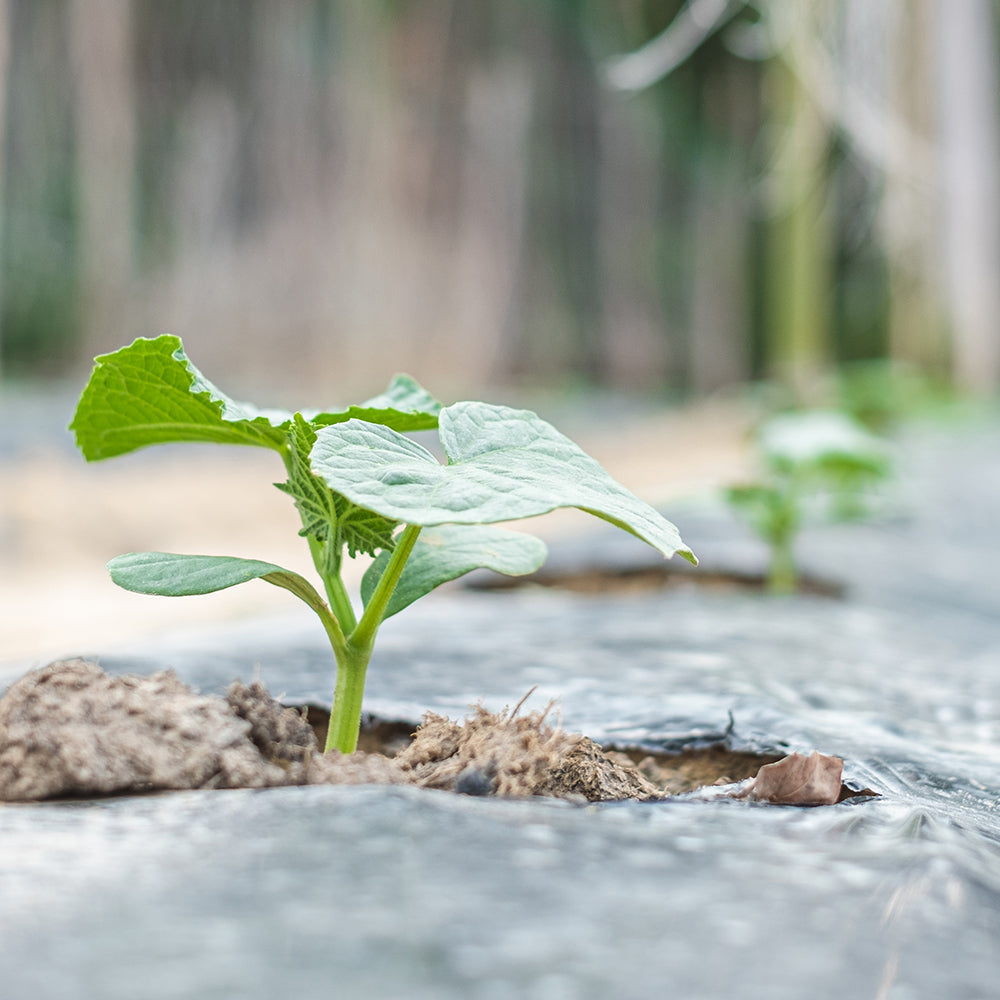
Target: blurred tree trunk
x=101, y=50
x=560, y=326
x=918, y=333
x=970, y=144
x=639, y=329
x=366, y=271
x=576, y=161
x=799, y=294
x=719, y=345
x=285, y=98
x=720, y=315
x=489, y=245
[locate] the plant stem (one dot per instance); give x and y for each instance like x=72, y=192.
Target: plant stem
x=345, y=716
x=305, y=591
x=340, y=603
x=336, y=594
x=783, y=526
x=782, y=576
x=375, y=610
x=354, y=656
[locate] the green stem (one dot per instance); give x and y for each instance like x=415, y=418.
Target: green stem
x=375, y=610
x=782, y=575
x=305, y=591
x=340, y=602
x=352, y=659
x=336, y=593
x=345, y=716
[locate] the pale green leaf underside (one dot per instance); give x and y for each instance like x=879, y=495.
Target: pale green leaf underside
x=447, y=552
x=171, y=574
x=504, y=464
x=150, y=393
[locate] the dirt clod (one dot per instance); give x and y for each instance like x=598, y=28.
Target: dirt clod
x=282, y=735
x=501, y=754
x=71, y=729
x=587, y=771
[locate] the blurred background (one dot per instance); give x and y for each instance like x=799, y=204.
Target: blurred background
x=665, y=200
x=648, y=194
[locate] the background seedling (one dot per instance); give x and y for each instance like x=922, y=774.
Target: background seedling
x=810, y=459
x=362, y=488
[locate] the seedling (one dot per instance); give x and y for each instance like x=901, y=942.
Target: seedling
x=362, y=488
x=811, y=459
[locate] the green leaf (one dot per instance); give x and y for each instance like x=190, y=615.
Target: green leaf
x=504, y=464
x=772, y=512
x=447, y=552
x=171, y=574
x=314, y=500
x=364, y=530
x=149, y=393
x=326, y=516
x=404, y=406
x=824, y=442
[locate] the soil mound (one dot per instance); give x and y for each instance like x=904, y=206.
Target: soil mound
x=70, y=729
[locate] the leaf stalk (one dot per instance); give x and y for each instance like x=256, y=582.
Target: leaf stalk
x=378, y=603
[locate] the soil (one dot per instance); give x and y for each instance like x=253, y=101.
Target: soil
x=639, y=579
x=669, y=773
x=71, y=730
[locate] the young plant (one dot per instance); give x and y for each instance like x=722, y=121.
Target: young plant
x=807, y=459
x=362, y=488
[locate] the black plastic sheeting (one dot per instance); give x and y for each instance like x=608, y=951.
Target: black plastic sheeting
x=383, y=892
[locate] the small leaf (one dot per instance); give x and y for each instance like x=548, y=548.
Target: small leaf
x=330, y=518
x=313, y=498
x=822, y=441
x=447, y=552
x=170, y=574
x=363, y=530
x=798, y=780
x=504, y=464
x=773, y=512
x=404, y=406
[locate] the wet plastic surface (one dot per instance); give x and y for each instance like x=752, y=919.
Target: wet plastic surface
x=384, y=892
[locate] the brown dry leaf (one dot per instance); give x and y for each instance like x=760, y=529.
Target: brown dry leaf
x=799, y=780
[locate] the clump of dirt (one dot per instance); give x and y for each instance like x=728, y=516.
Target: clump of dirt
x=588, y=772
x=282, y=736
x=71, y=730
x=488, y=754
